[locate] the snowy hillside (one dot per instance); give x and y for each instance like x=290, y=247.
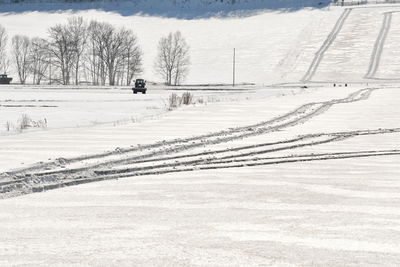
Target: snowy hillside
x=176, y=8
x=258, y=58
x=334, y=44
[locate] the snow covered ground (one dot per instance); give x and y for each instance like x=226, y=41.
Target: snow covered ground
x=88, y=106
x=335, y=202
x=265, y=176
x=92, y=121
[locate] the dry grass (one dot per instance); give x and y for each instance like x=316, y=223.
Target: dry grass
x=8, y=126
x=25, y=122
x=175, y=101
x=187, y=98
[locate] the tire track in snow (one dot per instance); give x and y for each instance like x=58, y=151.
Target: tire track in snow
x=378, y=46
x=299, y=115
x=319, y=55
x=36, y=180
x=164, y=156
x=20, y=188
x=254, y=154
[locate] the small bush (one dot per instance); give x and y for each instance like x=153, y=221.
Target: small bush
x=174, y=101
x=39, y=123
x=200, y=101
x=8, y=126
x=26, y=122
x=187, y=98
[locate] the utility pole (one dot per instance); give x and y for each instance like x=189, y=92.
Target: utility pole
x=50, y=71
x=234, y=66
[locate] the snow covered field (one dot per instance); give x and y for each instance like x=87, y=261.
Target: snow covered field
x=280, y=175
x=334, y=203
x=89, y=121
x=87, y=106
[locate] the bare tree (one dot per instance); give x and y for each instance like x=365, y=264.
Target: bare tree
x=20, y=50
x=77, y=29
x=113, y=54
x=173, y=59
x=133, y=58
x=95, y=56
x=39, y=58
x=114, y=51
x=3, y=54
x=62, y=51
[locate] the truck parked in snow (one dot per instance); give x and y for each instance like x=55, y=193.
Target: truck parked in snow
x=4, y=79
x=140, y=86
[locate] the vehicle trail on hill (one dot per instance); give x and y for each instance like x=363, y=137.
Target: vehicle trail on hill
x=319, y=55
x=378, y=46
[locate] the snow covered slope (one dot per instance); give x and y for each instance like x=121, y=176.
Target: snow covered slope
x=271, y=47
x=173, y=8
x=350, y=44
x=364, y=47
x=333, y=44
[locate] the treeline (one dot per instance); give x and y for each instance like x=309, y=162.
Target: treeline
x=96, y=53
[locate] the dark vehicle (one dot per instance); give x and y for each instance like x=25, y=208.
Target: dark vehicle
x=4, y=79
x=140, y=86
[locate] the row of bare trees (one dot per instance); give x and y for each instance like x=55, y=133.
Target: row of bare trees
x=93, y=53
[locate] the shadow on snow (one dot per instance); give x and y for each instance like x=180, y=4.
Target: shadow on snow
x=167, y=8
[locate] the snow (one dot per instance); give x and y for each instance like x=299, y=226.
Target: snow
x=258, y=59
x=274, y=215
x=350, y=55
x=63, y=138
x=332, y=212
x=278, y=175
x=169, y=8
x=88, y=106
